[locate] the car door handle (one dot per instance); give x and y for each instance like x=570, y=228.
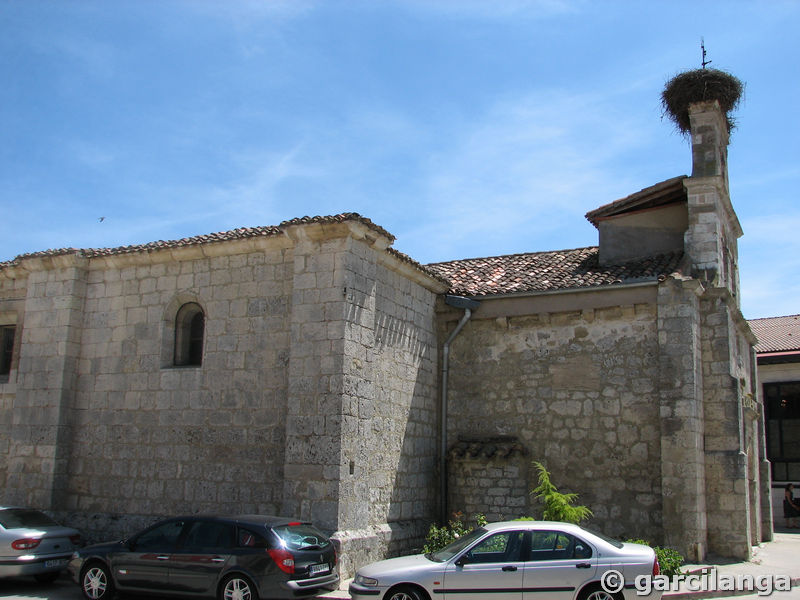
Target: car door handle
x=509, y=568
x=583, y=566
x=162, y=557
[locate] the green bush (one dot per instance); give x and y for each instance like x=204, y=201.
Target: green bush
x=557, y=506
x=439, y=537
x=669, y=560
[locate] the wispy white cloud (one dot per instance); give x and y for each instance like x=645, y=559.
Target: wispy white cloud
x=529, y=169
x=480, y=9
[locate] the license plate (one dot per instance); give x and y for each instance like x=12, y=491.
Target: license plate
x=61, y=562
x=317, y=569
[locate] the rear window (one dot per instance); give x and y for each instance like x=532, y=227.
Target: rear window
x=604, y=537
x=301, y=537
x=16, y=518
x=250, y=539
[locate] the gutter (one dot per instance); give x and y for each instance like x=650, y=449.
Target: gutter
x=628, y=284
x=468, y=305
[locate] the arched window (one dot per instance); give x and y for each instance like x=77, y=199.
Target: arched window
x=189, y=329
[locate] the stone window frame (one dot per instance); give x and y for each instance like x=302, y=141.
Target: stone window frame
x=184, y=332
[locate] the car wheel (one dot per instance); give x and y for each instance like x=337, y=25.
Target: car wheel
x=600, y=594
x=46, y=577
x=405, y=592
x=237, y=587
x=96, y=582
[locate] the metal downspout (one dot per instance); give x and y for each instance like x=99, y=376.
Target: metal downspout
x=468, y=306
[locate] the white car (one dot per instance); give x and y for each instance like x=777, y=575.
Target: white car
x=31, y=543
x=517, y=560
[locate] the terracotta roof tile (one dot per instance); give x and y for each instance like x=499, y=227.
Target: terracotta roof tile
x=340, y=218
x=777, y=334
x=548, y=271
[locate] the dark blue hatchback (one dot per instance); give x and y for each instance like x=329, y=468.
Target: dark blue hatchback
x=230, y=558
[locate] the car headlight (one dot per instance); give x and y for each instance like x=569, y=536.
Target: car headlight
x=366, y=581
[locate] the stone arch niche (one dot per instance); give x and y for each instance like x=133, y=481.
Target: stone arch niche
x=488, y=475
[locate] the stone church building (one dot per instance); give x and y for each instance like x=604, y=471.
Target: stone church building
x=309, y=369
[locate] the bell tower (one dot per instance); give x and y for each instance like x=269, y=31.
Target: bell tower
x=711, y=238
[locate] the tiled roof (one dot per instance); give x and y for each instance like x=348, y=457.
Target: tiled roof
x=665, y=192
x=224, y=236
x=777, y=334
x=499, y=447
x=548, y=271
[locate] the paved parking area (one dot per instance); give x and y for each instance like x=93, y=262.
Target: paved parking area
x=26, y=588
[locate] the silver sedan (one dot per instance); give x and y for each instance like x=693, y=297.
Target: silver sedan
x=517, y=560
x=31, y=543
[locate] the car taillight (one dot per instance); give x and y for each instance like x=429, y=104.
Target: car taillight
x=75, y=539
x=25, y=544
x=283, y=558
x=656, y=567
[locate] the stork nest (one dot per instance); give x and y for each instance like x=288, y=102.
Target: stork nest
x=700, y=85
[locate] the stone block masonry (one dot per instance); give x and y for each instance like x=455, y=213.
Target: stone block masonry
x=315, y=397
x=577, y=390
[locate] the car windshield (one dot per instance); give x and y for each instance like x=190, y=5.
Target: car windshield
x=301, y=536
x=457, y=546
x=18, y=518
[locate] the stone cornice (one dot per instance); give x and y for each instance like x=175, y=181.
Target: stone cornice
x=410, y=269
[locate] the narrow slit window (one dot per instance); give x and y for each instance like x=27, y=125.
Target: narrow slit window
x=6, y=350
x=189, y=333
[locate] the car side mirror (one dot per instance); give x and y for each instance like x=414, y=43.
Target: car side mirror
x=462, y=560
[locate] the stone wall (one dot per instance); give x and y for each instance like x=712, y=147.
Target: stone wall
x=579, y=391
x=46, y=383
x=12, y=298
x=137, y=437
x=733, y=446
x=680, y=398
x=316, y=396
x=403, y=417
x=489, y=476
x=389, y=412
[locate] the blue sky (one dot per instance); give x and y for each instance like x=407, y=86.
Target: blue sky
x=464, y=127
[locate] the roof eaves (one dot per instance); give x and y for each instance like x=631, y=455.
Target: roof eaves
x=664, y=192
